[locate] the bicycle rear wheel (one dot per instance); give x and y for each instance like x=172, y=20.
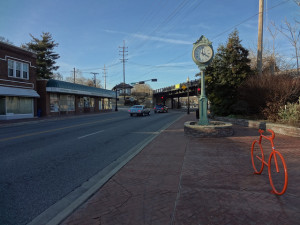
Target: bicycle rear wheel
x=278, y=178
x=257, y=157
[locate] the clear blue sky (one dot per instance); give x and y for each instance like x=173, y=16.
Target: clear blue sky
x=159, y=34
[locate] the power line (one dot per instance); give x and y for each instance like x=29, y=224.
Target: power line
x=229, y=29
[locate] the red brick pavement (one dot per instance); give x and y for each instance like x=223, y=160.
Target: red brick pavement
x=186, y=181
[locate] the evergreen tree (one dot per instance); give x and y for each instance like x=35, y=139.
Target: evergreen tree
x=229, y=68
x=45, y=55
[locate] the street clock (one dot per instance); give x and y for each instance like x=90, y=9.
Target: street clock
x=203, y=52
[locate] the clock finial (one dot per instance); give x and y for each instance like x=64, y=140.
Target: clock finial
x=203, y=40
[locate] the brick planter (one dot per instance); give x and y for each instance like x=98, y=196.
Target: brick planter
x=214, y=129
x=277, y=128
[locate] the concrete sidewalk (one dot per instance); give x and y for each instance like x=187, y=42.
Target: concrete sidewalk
x=181, y=180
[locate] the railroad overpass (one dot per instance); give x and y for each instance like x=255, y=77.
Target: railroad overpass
x=171, y=95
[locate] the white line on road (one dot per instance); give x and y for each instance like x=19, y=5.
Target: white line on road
x=155, y=132
x=90, y=134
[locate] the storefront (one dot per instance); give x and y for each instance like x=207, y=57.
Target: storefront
x=18, y=94
x=16, y=103
x=60, y=98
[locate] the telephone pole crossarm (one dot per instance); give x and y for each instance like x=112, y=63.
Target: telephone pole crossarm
x=94, y=77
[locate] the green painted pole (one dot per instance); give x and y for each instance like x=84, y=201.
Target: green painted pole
x=203, y=120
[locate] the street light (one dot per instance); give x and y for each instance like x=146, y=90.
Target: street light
x=188, y=94
x=143, y=82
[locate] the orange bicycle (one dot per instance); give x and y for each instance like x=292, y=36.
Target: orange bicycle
x=276, y=165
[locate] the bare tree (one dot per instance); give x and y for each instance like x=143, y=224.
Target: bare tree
x=80, y=79
x=292, y=33
x=3, y=39
x=272, y=61
x=142, y=92
x=91, y=83
x=57, y=76
x=297, y=2
x=273, y=32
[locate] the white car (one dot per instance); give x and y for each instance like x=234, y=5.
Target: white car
x=139, y=110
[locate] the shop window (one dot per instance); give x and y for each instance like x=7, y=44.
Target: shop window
x=86, y=102
x=81, y=103
x=92, y=102
x=107, y=103
x=67, y=102
x=18, y=69
x=19, y=105
x=71, y=103
x=54, y=103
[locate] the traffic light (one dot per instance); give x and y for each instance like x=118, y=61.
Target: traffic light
x=198, y=90
x=162, y=97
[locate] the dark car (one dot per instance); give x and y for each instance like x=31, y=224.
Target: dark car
x=160, y=109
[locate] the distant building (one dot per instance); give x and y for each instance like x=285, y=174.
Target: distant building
x=61, y=98
x=18, y=95
x=123, y=89
x=124, y=92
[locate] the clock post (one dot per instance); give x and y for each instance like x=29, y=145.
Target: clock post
x=203, y=120
x=202, y=55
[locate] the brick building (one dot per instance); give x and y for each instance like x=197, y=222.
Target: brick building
x=61, y=97
x=18, y=96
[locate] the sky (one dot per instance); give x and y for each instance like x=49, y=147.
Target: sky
x=158, y=34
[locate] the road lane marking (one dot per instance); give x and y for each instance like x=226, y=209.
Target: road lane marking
x=53, y=130
x=146, y=132
x=90, y=134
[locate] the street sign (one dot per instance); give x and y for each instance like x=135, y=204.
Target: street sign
x=183, y=87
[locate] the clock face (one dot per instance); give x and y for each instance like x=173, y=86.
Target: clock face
x=203, y=53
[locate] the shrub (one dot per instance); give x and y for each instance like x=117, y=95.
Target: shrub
x=266, y=94
x=290, y=113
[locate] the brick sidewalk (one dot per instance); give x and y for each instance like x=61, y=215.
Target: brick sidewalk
x=187, y=181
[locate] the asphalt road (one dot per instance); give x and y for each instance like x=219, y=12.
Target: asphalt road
x=42, y=162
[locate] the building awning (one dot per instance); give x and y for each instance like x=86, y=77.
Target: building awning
x=21, y=92
x=57, y=86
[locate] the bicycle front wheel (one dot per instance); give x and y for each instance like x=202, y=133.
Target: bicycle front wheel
x=277, y=173
x=257, y=157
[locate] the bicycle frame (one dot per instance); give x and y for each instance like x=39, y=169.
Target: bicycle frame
x=270, y=138
x=276, y=155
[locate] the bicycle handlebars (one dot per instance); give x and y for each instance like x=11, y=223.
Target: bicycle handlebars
x=268, y=137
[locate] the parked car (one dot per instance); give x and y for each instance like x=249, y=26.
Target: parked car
x=139, y=110
x=160, y=108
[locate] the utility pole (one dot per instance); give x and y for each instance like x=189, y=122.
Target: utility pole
x=94, y=77
x=74, y=74
x=124, y=54
x=260, y=36
x=104, y=76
